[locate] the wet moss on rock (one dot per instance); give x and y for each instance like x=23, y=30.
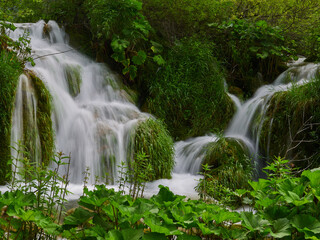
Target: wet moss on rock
x=229, y=163
x=73, y=76
x=152, y=139
x=44, y=121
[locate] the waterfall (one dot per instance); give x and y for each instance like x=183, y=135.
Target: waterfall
x=248, y=120
x=93, y=118
x=24, y=122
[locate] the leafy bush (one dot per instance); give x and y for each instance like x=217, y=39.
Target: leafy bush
x=122, y=25
x=32, y=208
x=174, y=20
x=153, y=150
x=188, y=92
x=251, y=47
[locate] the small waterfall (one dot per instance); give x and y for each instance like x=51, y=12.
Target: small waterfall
x=93, y=118
x=190, y=153
x=24, y=122
x=247, y=123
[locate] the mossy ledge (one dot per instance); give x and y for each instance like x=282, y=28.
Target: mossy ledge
x=152, y=138
x=291, y=128
x=43, y=118
x=10, y=70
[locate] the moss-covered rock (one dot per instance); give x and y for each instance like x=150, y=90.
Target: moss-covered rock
x=154, y=146
x=229, y=163
x=291, y=128
x=44, y=121
x=10, y=69
x=73, y=76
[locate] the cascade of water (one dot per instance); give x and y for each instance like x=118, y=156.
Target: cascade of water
x=24, y=122
x=190, y=153
x=93, y=118
x=248, y=120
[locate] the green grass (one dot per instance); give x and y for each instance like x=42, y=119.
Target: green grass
x=10, y=69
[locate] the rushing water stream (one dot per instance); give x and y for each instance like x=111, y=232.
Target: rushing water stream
x=94, y=119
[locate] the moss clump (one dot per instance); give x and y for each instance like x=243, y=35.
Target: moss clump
x=229, y=163
x=10, y=70
x=291, y=128
x=153, y=140
x=73, y=76
x=44, y=121
x=188, y=92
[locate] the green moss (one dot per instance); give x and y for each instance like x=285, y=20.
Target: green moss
x=44, y=121
x=73, y=77
x=152, y=139
x=291, y=128
x=10, y=69
x=188, y=93
x=229, y=163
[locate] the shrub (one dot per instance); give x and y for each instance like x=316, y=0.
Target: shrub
x=153, y=147
x=188, y=92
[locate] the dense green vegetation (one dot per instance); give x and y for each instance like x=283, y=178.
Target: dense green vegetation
x=177, y=55
x=294, y=131
x=190, y=83
x=153, y=150
x=286, y=207
x=10, y=69
x=227, y=167
x=145, y=39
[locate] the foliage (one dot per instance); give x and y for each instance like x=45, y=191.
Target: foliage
x=104, y=213
x=33, y=205
x=10, y=69
x=20, y=46
x=188, y=92
x=226, y=168
x=175, y=20
x=153, y=151
x=287, y=206
x=251, y=47
x=122, y=24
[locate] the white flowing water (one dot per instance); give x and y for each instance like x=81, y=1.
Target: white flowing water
x=24, y=124
x=94, y=119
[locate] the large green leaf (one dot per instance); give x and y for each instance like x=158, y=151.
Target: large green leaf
x=79, y=216
x=188, y=237
x=119, y=45
x=140, y=58
x=114, y=235
x=281, y=228
x=132, y=234
x=154, y=236
x=253, y=222
x=313, y=176
x=306, y=223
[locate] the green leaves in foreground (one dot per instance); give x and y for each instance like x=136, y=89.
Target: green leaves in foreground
x=163, y=216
